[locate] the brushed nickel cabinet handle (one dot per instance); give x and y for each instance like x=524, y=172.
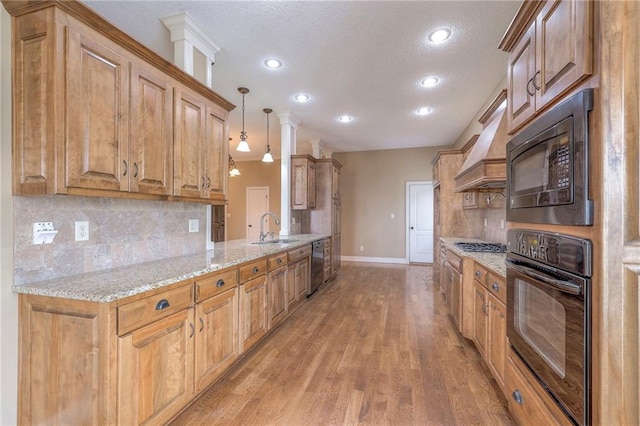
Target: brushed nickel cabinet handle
x=201, y=325
x=517, y=396
x=193, y=330
x=135, y=173
x=530, y=92
x=220, y=283
x=126, y=168
x=533, y=80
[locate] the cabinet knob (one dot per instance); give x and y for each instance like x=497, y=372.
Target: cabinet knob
x=478, y=274
x=495, y=286
x=517, y=396
x=279, y=261
x=220, y=283
x=163, y=304
x=256, y=269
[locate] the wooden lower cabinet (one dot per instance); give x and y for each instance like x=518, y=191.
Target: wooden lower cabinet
x=216, y=347
x=276, y=297
x=253, y=312
x=497, y=336
x=481, y=318
x=155, y=370
x=143, y=359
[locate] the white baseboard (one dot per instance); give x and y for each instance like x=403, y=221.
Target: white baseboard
x=399, y=260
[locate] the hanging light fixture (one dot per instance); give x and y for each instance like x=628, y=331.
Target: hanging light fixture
x=268, y=158
x=233, y=170
x=243, y=146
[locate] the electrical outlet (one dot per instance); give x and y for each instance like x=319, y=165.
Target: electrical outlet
x=82, y=231
x=501, y=223
x=361, y=248
x=194, y=225
x=393, y=215
x=486, y=222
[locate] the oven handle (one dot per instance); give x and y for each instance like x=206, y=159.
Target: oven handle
x=564, y=286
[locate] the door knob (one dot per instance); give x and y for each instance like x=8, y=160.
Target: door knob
x=411, y=227
x=249, y=226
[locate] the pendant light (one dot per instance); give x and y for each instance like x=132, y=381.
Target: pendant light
x=268, y=158
x=243, y=146
x=233, y=170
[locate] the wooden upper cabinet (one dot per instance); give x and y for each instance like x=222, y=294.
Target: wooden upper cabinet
x=553, y=55
x=216, y=153
x=94, y=113
x=335, y=181
x=303, y=182
x=190, y=121
x=97, y=111
x=151, y=136
x=200, y=150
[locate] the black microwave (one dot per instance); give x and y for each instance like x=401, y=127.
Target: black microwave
x=548, y=166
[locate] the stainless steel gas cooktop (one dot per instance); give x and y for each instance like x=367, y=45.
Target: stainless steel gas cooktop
x=482, y=247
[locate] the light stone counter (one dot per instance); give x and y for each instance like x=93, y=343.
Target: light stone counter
x=118, y=283
x=492, y=261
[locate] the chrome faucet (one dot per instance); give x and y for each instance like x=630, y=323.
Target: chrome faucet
x=275, y=218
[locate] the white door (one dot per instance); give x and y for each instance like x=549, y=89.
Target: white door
x=420, y=230
x=257, y=205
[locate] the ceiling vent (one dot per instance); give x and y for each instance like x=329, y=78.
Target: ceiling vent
x=485, y=167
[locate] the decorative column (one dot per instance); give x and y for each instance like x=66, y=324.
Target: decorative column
x=192, y=44
x=288, y=127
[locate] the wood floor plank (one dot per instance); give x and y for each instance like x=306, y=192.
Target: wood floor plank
x=376, y=346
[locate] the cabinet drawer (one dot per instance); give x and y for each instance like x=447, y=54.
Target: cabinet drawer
x=277, y=260
x=479, y=273
x=327, y=273
x=454, y=260
x=327, y=251
x=212, y=284
x=150, y=309
x=327, y=261
x=299, y=253
x=327, y=242
x=527, y=404
x=497, y=286
x=253, y=269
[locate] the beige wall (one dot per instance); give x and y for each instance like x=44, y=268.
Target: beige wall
x=8, y=299
x=253, y=173
x=373, y=185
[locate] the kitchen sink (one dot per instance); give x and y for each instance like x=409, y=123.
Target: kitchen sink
x=276, y=241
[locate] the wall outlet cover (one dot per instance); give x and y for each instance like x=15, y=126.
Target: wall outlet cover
x=194, y=225
x=82, y=231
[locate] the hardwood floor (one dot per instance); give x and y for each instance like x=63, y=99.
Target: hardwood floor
x=376, y=346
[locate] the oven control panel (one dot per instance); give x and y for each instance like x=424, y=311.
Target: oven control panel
x=557, y=250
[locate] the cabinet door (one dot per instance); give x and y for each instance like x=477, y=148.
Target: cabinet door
x=497, y=356
x=311, y=184
x=217, y=337
x=155, y=370
x=253, y=312
x=151, y=143
x=456, y=297
x=521, y=67
x=277, y=297
x=303, y=279
x=292, y=297
x=215, y=154
x=97, y=111
x=480, y=317
x=564, y=46
x=189, y=121
x=335, y=182
x=299, y=184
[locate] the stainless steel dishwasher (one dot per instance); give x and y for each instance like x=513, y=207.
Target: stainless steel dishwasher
x=317, y=263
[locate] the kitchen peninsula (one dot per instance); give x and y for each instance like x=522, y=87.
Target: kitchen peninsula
x=139, y=343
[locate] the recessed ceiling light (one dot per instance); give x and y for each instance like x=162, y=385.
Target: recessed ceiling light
x=302, y=97
x=429, y=82
x=440, y=35
x=423, y=111
x=345, y=118
x=272, y=63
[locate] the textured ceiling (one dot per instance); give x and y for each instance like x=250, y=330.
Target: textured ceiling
x=363, y=58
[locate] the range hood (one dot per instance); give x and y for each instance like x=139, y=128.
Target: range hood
x=485, y=168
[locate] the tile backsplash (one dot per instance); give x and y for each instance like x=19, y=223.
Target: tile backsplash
x=121, y=232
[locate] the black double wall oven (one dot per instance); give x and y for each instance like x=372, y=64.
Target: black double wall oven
x=549, y=274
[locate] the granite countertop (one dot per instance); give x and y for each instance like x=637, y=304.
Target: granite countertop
x=118, y=283
x=492, y=261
